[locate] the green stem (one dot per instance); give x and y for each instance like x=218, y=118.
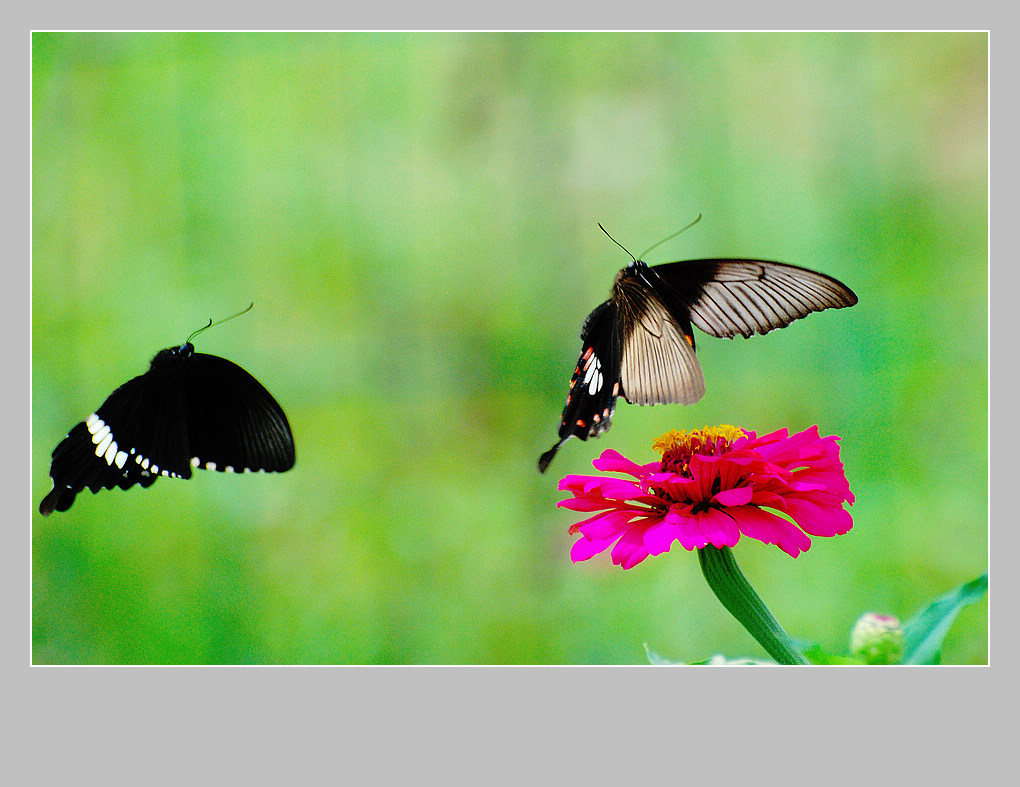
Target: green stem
x=737, y=595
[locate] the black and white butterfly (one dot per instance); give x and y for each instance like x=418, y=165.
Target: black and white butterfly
x=189, y=410
x=639, y=344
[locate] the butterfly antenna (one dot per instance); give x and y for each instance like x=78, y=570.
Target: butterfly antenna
x=614, y=240
x=211, y=323
x=655, y=246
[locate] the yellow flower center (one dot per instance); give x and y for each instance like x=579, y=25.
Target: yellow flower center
x=677, y=446
x=691, y=441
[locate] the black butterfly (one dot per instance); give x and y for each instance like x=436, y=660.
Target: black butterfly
x=639, y=344
x=189, y=410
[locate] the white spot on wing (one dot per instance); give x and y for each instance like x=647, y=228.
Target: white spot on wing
x=120, y=459
x=104, y=444
x=593, y=375
x=102, y=430
x=111, y=452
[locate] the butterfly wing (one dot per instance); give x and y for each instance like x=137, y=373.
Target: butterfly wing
x=132, y=438
x=189, y=410
x=595, y=384
x=652, y=311
x=727, y=297
x=233, y=423
x=658, y=362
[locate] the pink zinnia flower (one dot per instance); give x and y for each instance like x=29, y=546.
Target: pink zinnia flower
x=711, y=486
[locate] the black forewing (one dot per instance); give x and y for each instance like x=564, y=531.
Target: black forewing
x=595, y=384
x=133, y=437
x=658, y=362
x=233, y=422
x=727, y=297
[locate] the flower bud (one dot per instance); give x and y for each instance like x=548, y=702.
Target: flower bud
x=877, y=639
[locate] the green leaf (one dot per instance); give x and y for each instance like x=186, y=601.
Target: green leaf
x=816, y=655
x=923, y=634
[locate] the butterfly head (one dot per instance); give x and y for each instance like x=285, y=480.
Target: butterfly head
x=634, y=270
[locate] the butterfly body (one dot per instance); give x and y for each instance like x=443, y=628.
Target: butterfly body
x=189, y=410
x=641, y=342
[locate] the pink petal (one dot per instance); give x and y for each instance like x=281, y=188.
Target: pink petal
x=704, y=476
x=819, y=520
x=613, y=488
x=614, y=462
x=575, y=482
x=769, y=500
x=741, y=442
x=660, y=537
x=584, y=549
x=719, y=528
x=612, y=524
x=734, y=497
x=585, y=503
x=765, y=440
x=771, y=529
x=629, y=551
x=677, y=488
x=610, y=487
x=806, y=486
x=576, y=527
x=688, y=533
x=832, y=479
x=610, y=527
x=776, y=447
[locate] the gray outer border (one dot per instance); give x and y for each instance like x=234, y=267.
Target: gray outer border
x=150, y=725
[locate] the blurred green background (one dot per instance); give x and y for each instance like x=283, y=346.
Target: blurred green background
x=414, y=216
